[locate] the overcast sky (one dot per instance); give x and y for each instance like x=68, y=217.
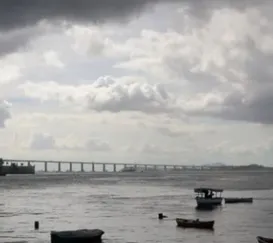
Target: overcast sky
x=178, y=82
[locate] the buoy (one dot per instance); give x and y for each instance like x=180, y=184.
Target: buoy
x=36, y=225
x=161, y=216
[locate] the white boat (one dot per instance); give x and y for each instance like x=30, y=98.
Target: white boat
x=208, y=197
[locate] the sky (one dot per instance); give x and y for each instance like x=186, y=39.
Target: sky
x=147, y=81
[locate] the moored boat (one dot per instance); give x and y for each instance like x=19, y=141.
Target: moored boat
x=15, y=168
x=238, y=200
x=208, y=197
x=79, y=236
x=191, y=223
x=261, y=239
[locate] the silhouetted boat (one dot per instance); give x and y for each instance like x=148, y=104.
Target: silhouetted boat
x=79, y=236
x=2, y=173
x=190, y=223
x=14, y=168
x=238, y=200
x=261, y=239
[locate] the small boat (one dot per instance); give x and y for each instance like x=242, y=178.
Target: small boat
x=238, y=200
x=194, y=223
x=79, y=236
x=261, y=239
x=208, y=197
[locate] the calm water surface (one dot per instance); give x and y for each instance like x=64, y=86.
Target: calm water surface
x=125, y=206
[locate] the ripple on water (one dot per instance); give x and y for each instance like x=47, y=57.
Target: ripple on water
x=127, y=207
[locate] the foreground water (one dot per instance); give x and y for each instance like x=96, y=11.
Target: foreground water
x=125, y=206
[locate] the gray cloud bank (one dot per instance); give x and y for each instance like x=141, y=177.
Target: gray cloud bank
x=16, y=14
x=18, y=18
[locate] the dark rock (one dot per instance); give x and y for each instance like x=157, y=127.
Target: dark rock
x=77, y=236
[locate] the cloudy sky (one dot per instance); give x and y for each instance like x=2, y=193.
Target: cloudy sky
x=149, y=81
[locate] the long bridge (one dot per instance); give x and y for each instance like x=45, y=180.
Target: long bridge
x=44, y=165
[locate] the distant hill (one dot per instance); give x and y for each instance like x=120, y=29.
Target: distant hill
x=239, y=167
x=218, y=164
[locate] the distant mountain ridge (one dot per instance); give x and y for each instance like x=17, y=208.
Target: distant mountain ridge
x=251, y=166
x=218, y=164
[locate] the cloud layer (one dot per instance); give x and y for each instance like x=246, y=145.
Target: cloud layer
x=16, y=14
x=185, y=81
x=222, y=69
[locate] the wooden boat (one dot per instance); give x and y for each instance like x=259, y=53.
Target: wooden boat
x=190, y=223
x=208, y=197
x=79, y=236
x=261, y=239
x=238, y=200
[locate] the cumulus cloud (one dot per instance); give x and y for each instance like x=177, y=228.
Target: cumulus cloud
x=4, y=112
x=106, y=94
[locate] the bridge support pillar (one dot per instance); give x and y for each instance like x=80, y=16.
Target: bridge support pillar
x=93, y=167
x=114, y=168
x=145, y=167
x=155, y=167
x=70, y=167
x=59, y=166
x=165, y=167
x=45, y=166
x=104, y=168
x=82, y=167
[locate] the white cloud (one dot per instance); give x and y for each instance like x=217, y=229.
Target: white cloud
x=106, y=94
x=52, y=59
x=89, y=40
x=9, y=73
x=42, y=141
x=4, y=112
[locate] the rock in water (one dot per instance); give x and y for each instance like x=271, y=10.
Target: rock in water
x=77, y=236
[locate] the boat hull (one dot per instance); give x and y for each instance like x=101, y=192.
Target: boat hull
x=261, y=239
x=238, y=200
x=186, y=223
x=208, y=202
x=79, y=236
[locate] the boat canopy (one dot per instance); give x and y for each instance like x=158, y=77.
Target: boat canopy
x=204, y=190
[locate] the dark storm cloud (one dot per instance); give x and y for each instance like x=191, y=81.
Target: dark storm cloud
x=14, y=13
x=12, y=40
x=17, y=17
x=19, y=13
